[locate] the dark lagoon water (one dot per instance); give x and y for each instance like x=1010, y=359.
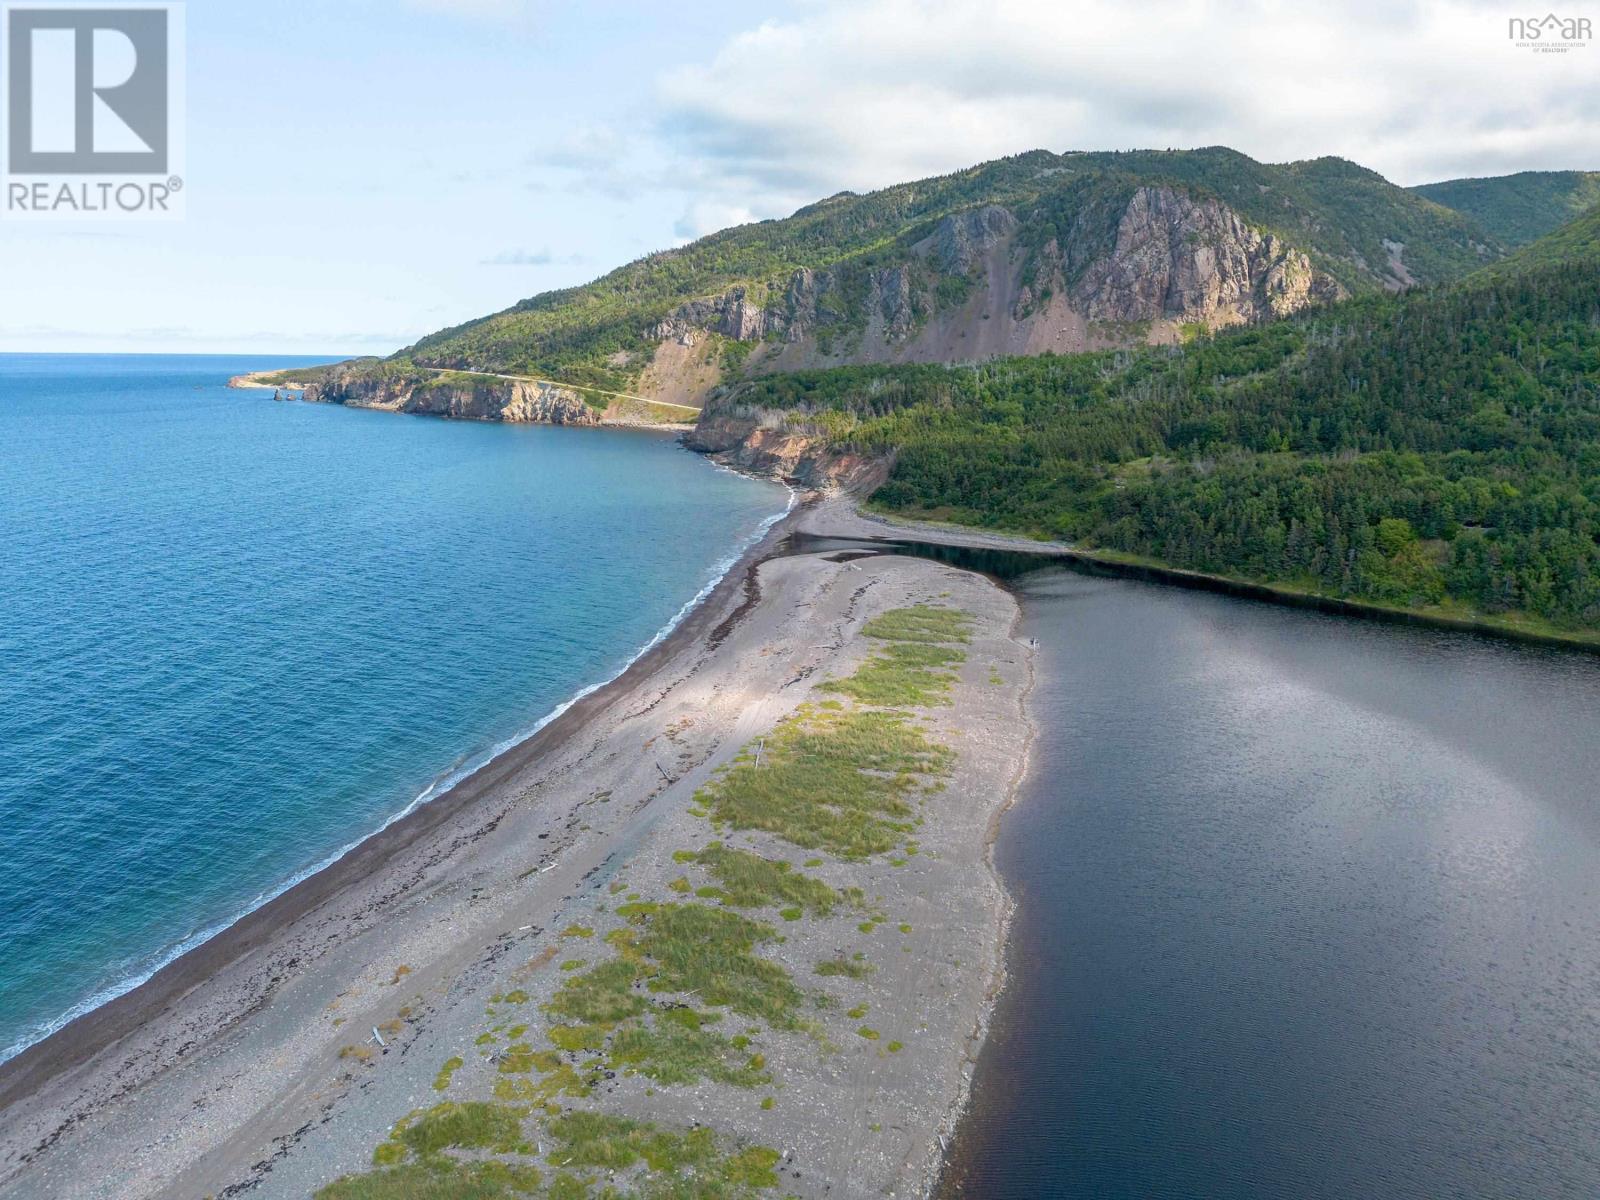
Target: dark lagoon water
x=1309, y=907
x=237, y=636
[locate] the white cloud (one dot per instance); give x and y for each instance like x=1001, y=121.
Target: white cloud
x=543, y=257
x=864, y=93
x=708, y=216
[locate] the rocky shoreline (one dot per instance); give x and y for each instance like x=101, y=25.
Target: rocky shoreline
x=248, y=1066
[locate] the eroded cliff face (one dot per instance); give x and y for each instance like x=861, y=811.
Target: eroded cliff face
x=476, y=399
x=985, y=282
x=764, y=445
x=1178, y=259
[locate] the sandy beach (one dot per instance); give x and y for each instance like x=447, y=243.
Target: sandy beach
x=253, y=1065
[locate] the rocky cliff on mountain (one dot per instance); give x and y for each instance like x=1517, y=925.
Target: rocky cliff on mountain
x=982, y=283
x=1034, y=253
x=453, y=394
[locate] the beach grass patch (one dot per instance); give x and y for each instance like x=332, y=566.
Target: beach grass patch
x=848, y=967
x=461, y=1125
x=751, y=881
x=573, y=1038
x=672, y=1053
x=691, y=1164
x=688, y=949
x=440, y=1179
x=837, y=781
x=902, y=675
x=921, y=623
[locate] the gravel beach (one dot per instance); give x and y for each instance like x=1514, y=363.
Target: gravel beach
x=277, y=1057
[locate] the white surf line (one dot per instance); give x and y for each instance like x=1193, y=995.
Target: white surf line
x=573, y=387
x=718, y=572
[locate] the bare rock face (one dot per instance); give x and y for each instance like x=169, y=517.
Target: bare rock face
x=1195, y=260
x=735, y=314
x=894, y=301
x=963, y=239
x=764, y=445
x=1125, y=268
x=482, y=399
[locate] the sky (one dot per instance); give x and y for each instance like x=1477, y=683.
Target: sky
x=362, y=172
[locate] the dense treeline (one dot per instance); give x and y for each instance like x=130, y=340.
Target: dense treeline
x=1520, y=208
x=1440, y=448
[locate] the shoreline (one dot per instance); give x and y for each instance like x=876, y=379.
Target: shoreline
x=887, y=528
x=75, y=1055
x=434, y=792
x=176, y=974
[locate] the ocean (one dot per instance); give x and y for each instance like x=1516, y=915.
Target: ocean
x=238, y=636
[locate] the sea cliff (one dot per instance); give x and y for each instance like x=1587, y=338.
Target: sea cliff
x=453, y=394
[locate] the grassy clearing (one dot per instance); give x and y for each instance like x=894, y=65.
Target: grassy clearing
x=841, y=781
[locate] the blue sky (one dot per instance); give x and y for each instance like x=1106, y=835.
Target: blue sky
x=361, y=172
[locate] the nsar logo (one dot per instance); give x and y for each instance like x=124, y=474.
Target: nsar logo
x=1550, y=34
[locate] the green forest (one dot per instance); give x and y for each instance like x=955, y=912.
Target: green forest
x=1519, y=208
x=1438, y=450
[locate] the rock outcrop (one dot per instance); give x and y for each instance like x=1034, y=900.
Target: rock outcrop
x=1194, y=261
x=763, y=444
x=986, y=281
x=450, y=394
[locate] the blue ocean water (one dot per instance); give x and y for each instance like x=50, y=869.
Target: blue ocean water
x=237, y=635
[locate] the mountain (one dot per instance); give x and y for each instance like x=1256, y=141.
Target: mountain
x=1518, y=209
x=1577, y=241
x=1435, y=451
x=1038, y=252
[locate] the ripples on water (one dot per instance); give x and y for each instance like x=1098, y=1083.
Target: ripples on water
x=1309, y=907
x=238, y=634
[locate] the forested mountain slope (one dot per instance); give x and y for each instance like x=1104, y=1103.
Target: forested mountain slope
x=1518, y=209
x=1438, y=450
x=1575, y=242
x=1039, y=252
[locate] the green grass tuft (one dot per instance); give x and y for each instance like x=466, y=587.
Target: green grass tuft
x=839, y=781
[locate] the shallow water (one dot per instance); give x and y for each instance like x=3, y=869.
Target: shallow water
x=236, y=635
x=1308, y=907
